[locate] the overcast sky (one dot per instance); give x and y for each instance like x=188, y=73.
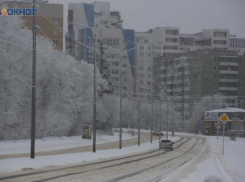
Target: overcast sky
x=191, y=16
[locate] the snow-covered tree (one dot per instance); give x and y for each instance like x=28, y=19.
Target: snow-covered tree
x=64, y=85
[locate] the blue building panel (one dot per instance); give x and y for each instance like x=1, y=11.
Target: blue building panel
x=87, y=34
x=129, y=39
x=89, y=11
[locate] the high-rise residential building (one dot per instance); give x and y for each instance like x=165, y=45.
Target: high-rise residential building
x=152, y=44
x=207, y=39
x=161, y=40
x=49, y=20
x=237, y=44
x=211, y=39
x=85, y=21
x=192, y=75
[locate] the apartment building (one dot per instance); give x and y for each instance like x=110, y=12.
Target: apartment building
x=237, y=44
x=195, y=74
x=87, y=20
x=211, y=39
x=49, y=20
x=207, y=39
x=150, y=44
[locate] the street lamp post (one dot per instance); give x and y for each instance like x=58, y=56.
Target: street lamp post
x=167, y=121
x=94, y=104
x=120, y=87
x=160, y=120
x=151, y=115
x=33, y=109
x=120, y=91
x=95, y=55
x=139, y=116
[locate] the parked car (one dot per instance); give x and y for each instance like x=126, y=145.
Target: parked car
x=166, y=144
x=156, y=132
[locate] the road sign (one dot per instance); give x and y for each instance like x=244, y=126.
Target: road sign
x=224, y=118
x=132, y=126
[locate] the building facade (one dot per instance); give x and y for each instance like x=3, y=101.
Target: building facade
x=49, y=20
x=150, y=44
x=213, y=126
x=112, y=42
x=195, y=74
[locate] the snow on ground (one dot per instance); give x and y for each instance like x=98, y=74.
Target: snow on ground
x=227, y=168
x=53, y=143
x=11, y=165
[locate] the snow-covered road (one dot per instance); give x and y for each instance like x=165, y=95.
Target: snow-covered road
x=194, y=159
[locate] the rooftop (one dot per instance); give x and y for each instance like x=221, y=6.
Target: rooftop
x=228, y=109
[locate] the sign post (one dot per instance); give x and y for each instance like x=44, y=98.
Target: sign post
x=132, y=126
x=99, y=129
x=224, y=118
x=218, y=127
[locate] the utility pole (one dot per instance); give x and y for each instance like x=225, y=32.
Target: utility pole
x=120, y=90
x=167, y=121
x=132, y=118
x=151, y=115
x=172, y=123
x=139, y=116
x=94, y=104
x=160, y=120
x=33, y=110
x=183, y=96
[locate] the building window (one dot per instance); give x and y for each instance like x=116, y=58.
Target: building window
x=90, y=41
x=215, y=68
x=239, y=85
x=235, y=116
x=214, y=84
x=55, y=42
x=114, y=71
x=236, y=127
x=214, y=76
x=125, y=57
x=56, y=20
x=115, y=64
x=111, y=56
x=56, y=32
x=111, y=41
x=146, y=41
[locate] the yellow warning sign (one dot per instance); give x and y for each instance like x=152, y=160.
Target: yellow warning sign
x=224, y=118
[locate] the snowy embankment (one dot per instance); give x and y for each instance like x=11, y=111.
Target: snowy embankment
x=15, y=164
x=227, y=168
x=54, y=143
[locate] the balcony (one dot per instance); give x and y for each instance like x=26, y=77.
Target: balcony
x=228, y=88
x=228, y=64
x=229, y=80
x=228, y=72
